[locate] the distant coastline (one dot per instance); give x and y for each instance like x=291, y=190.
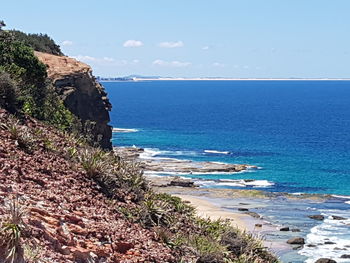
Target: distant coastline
x=218, y=79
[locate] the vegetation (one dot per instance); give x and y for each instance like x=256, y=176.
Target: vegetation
x=24, y=88
x=39, y=42
x=11, y=231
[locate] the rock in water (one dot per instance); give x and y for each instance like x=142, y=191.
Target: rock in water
x=181, y=183
x=338, y=218
x=296, y=241
x=316, y=217
x=286, y=228
x=325, y=260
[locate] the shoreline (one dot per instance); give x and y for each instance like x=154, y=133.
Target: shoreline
x=227, y=79
x=261, y=213
x=213, y=208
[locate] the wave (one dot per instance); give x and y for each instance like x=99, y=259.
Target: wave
x=217, y=152
x=342, y=196
x=328, y=239
x=123, y=130
x=153, y=152
x=235, y=183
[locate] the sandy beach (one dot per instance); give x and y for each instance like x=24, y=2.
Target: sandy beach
x=207, y=209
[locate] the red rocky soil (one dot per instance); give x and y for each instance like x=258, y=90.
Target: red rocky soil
x=67, y=217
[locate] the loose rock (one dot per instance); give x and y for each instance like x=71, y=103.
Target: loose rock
x=325, y=260
x=316, y=217
x=284, y=228
x=296, y=241
x=338, y=218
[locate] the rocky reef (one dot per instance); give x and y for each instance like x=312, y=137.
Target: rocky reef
x=172, y=165
x=81, y=93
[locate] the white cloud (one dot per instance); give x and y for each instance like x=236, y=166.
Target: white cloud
x=106, y=61
x=205, y=48
x=67, y=43
x=133, y=43
x=84, y=58
x=177, y=64
x=217, y=64
x=171, y=44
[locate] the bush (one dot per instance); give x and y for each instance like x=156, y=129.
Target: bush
x=8, y=92
x=39, y=42
x=23, y=81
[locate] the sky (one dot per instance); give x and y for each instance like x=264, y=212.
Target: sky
x=195, y=38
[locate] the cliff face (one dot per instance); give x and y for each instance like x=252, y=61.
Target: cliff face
x=81, y=93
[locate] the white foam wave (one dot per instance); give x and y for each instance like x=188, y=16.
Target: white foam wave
x=347, y=202
x=153, y=152
x=330, y=237
x=217, y=152
x=342, y=196
x=124, y=130
x=149, y=153
x=242, y=183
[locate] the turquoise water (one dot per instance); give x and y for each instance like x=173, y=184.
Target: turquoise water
x=296, y=131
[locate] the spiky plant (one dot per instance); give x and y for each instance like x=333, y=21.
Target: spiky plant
x=13, y=127
x=93, y=161
x=11, y=231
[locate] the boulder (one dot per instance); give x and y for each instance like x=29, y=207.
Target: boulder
x=345, y=256
x=181, y=183
x=253, y=214
x=311, y=245
x=296, y=241
x=243, y=209
x=316, y=217
x=338, y=218
x=286, y=228
x=258, y=225
x=329, y=243
x=325, y=260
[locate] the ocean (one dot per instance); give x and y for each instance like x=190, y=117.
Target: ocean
x=296, y=132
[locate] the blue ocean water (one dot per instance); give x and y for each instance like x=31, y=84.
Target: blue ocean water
x=298, y=132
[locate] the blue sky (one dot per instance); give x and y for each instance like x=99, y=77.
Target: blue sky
x=195, y=38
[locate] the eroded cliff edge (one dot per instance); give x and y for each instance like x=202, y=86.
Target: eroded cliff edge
x=81, y=93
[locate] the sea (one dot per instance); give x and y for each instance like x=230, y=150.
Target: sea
x=297, y=132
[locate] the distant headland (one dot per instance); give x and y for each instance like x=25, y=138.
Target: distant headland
x=159, y=78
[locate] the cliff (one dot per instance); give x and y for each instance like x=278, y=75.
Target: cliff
x=81, y=93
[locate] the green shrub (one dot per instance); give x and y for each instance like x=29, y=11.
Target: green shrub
x=8, y=92
x=39, y=42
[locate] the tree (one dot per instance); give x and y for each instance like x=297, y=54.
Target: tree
x=2, y=24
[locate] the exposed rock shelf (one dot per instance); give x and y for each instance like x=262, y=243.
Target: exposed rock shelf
x=172, y=165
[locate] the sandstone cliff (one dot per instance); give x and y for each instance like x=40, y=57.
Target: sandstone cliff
x=81, y=93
